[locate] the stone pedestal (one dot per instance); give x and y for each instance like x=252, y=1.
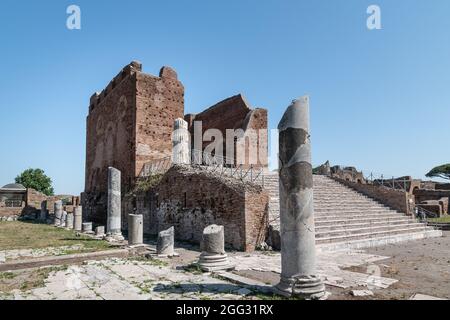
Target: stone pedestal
x=100, y=231
x=78, y=218
x=43, y=212
x=165, y=245
x=114, y=225
x=58, y=212
x=297, y=229
x=213, y=256
x=135, y=229
x=87, y=227
x=181, y=143
x=63, y=219
x=69, y=221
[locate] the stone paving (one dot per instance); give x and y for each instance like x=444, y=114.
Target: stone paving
x=120, y=279
x=8, y=255
x=156, y=279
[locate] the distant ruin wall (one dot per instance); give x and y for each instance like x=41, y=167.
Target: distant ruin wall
x=235, y=113
x=191, y=199
x=442, y=196
x=395, y=199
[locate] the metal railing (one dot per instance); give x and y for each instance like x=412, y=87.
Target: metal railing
x=227, y=166
x=402, y=184
x=213, y=163
x=423, y=214
x=158, y=166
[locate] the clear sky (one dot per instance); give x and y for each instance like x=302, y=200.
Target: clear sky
x=380, y=99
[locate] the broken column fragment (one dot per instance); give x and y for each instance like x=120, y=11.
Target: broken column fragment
x=58, y=212
x=298, y=251
x=114, y=226
x=77, y=218
x=135, y=229
x=181, y=144
x=213, y=256
x=43, y=212
x=165, y=244
x=69, y=221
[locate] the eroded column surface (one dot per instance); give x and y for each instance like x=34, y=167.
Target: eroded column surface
x=43, y=212
x=181, y=145
x=69, y=221
x=78, y=218
x=135, y=229
x=114, y=225
x=165, y=244
x=58, y=212
x=213, y=256
x=298, y=254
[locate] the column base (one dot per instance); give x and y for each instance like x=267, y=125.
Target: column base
x=214, y=262
x=303, y=287
x=114, y=237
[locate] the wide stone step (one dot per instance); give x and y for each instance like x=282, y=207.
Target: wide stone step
x=337, y=222
x=325, y=212
x=369, y=235
x=377, y=241
x=350, y=217
x=349, y=230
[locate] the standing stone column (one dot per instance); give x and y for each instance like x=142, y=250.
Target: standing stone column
x=213, y=256
x=58, y=212
x=114, y=225
x=135, y=229
x=298, y=253
x=63, y=219
x=181, y=144
x=78, y=218
x=165, y=244
x=43, y=213
x=69, y=221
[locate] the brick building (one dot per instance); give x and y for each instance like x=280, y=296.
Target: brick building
x=129, y=124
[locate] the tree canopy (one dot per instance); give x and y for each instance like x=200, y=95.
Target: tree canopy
x=37, y=180
x=442, y=171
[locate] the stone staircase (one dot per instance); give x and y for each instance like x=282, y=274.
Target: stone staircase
x=347, y=219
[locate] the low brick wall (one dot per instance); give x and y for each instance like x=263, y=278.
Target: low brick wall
x=190, y=199
x=440, y=195
x=394, y=199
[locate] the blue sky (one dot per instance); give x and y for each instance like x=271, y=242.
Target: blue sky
x=379, y=99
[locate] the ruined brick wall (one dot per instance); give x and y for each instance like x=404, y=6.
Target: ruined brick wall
x=129, y=123
x=191, y=199
x=442, y=196
x=159, y=101
x=235, y=113
x=395, y=199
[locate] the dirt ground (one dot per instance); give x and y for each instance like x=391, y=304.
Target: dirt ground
x=421, y=267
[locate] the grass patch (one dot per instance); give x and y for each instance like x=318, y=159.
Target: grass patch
x=445, y=219
x=28, y=279
x=25, y=235
x=193, y=268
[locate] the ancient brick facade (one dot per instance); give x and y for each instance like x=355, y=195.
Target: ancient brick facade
x=129, y=123
x=190, y=199
x=235, y=113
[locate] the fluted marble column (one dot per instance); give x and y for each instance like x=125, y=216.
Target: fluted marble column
x=298, y=253
x=181, y=146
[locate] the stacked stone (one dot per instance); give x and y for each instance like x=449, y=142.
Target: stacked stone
x=165, y=244
x=213, y=256
x=114, y=227
x=181, y=143
x=58, y=212
x=298, y=255
x=135, y=229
